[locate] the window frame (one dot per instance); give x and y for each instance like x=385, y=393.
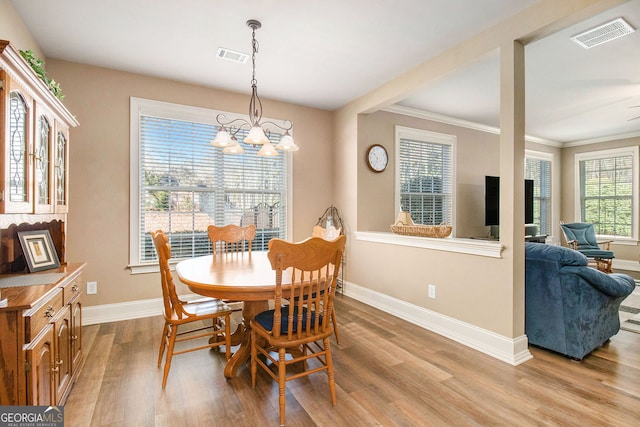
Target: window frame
x=146, y=107
x=635, y=203
x=428, y=137
x=548, y=157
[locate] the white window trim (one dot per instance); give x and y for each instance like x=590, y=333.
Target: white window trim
x=539, y=155
x=147, y=107
x=636, y=170
x=542, y=155
x=427, y=137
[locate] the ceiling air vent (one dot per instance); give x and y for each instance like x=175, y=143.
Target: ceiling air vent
x=232, y=55
x=603, y=33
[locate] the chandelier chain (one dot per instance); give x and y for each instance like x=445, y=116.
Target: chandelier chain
x=254, y=47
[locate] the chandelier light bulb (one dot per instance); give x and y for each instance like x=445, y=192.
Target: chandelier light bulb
x=286, y=143
x=256, y=136
x=233, y=149
x=222, y=139
x=268, y=150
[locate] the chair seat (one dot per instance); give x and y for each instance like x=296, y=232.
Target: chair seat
x=265, y=319
x=597, y=253
x=204, y=308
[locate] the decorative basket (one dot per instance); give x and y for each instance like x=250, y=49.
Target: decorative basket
x=439, y=231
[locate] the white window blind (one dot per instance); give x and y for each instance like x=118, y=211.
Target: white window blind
x=185, y=184
x=606, y=183
x=539, y=170
x=425, y=176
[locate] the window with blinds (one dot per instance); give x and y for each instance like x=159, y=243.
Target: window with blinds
x=185, y=184
x=425, y=175
x=606, y=183
x=539, y=170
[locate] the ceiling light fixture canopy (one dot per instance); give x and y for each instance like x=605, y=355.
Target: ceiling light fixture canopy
x=258, y=134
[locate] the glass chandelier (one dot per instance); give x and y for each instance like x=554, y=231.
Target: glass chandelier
x=258, y=135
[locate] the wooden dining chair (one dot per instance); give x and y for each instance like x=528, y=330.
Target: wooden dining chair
x=303, y=326
x=231, y=238
x=330, y=233
x=178, y=313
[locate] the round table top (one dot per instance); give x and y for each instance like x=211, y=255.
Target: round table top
x=242, y=276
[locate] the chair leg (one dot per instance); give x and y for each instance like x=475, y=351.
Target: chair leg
x=335, y=324
x=303, y=353
x=167, y=363
x=604, y=265
x=163, y=343
x=227, y=336
x=254, y=356
x=329, y=360
x=282, y=382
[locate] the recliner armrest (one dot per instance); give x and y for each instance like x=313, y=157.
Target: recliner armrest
x=614, y=284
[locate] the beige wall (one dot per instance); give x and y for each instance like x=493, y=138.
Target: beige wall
x=98, y=223
x=13, y=29
x=476, y=156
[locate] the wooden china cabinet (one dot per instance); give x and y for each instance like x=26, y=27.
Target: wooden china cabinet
x=41, y=320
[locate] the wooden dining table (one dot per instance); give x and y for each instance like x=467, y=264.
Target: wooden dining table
x=241, y=276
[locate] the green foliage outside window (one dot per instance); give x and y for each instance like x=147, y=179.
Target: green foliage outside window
x=607, y=194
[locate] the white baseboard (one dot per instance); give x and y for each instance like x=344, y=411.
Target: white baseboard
x=126, y=310
x=121, y=311
x=511, y=350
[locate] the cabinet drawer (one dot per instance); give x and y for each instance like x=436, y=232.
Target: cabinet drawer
x=42, y=316
x=71, y=289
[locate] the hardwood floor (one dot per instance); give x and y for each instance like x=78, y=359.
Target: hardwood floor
x=388, y=373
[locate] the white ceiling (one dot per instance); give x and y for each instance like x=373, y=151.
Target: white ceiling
x=326, y=53
x=573, y=94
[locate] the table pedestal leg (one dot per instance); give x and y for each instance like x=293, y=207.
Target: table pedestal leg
x=243, y=353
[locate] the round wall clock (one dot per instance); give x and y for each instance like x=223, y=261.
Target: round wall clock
x=377, y=158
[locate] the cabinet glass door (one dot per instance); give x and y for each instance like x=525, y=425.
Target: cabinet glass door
x=17, y=195
x=61, y=157
x=43, y=184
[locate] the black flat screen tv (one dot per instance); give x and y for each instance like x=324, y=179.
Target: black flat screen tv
x=492, y=200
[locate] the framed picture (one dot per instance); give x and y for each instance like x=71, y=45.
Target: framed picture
x=38, y=250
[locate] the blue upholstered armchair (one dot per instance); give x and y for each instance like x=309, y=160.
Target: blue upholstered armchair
x=570, y=308
x=581, y=236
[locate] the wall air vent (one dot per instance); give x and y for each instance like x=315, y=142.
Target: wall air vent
x=232, y=55
x=603, y=33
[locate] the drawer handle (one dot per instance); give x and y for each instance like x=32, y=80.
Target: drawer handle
x=74, y=288
x=74, y=337
x=50, y=311
x=55, y=366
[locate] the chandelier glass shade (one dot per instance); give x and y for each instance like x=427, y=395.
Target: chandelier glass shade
x=258, y=132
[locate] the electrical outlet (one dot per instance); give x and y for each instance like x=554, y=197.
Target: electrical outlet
x=92, y=288
x=432, y=291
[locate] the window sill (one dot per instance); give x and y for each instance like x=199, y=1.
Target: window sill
x=486, y=248
x=148, y=268
x=620, y=241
